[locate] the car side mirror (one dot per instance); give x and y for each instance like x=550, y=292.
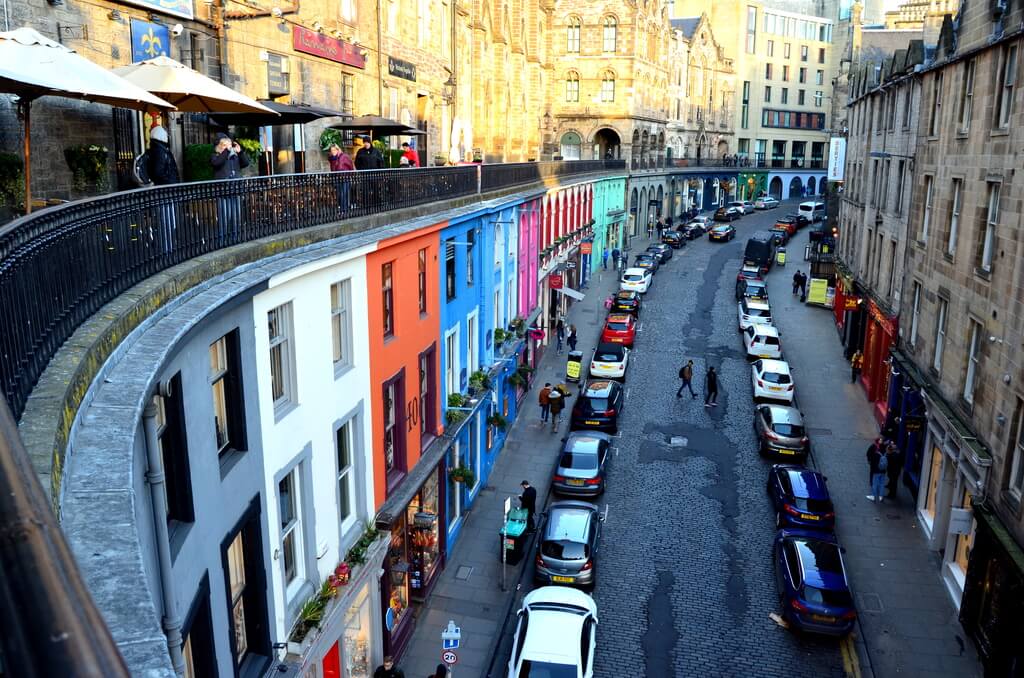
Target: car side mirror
x=600, y=517
x=564, y=439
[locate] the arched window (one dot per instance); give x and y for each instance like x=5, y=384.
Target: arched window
x=572, y=36
x=608, y=86
x=572, y=86
x=611, y=31
x=572, y=146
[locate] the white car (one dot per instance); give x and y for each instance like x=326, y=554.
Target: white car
x=772, y=380
x=766, y=203
x=555, y=635
x=609, y=361
x=636, y=279
x=753, y=312
x=762, y=341
x=704, y=221
x=745, y=205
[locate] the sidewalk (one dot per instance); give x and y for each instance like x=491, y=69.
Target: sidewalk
x=907, y=624
x=469, y=589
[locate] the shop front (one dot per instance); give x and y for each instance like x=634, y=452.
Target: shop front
x=907, y=419
x=992, y=611
x=849, y=311
x=416, y=546
x=751, y=185
x=879, y=338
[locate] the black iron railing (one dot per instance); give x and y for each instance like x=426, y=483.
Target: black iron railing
x=515, y=174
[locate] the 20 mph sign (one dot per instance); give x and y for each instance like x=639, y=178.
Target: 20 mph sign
x=449, y=657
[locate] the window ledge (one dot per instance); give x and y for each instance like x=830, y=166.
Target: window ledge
x=1000, y=132
x=921, y=243
x=948, y=257
x=966, y=407
x=341, y=369
x=932, y=137
x=228, y=459
x=983, y=274
x=962, y=134
x=1012, y=500
x=177, y=535
x=283, y=409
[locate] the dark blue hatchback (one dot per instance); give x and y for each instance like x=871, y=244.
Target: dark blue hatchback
x=812, y=582
x=800, y=497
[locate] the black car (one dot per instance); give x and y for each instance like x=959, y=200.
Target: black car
x=580, y=471
x=647, y=260
x=598, y=406
x=780, y=233
x=663, y=251
x=751, y=289
x=798, y=219
x=728, y=213
x=693, y=231
x=626, y=301
x=673, y=239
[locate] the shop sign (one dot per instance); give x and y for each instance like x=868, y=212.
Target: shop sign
x=570, y=265
x=277, y=75
x=586, y=248
x=401, y=69
x=317, y=44
x=182, y=8
x=888, y=326
x=851, y=303
x=961, y=521
x=149, y=40
x=913, y=423
x=555, y=281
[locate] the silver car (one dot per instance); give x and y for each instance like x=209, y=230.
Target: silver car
x=568, y=545
x=580, y=471
x=780, y=432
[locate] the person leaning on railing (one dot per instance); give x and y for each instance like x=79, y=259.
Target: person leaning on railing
x=340, y=161
x=228, y=160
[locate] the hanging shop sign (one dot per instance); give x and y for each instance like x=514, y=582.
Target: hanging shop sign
x=586, y=248
x=317, y=44
x=913, y=423
x=879, y=317
x=555, y=281
x=149, y=40
x=401, y=69
x=851, y=303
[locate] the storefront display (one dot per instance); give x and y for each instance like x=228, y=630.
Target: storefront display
x=421, y=530
x=358, y=624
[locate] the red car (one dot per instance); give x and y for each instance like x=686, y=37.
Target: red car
x=619, y=328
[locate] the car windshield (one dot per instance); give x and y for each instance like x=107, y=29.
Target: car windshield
x=532, y=669
x=632, y=277
x=827, y=597
x=820, y=555
x=775, y=378
x=771, y=341
x=754, y=290
x=597, y=404
x=758, y=312
x=608, y=356
x=618, y=326
x=583, y=461
x=812, y=505
x=565, y=549
x=788, y=430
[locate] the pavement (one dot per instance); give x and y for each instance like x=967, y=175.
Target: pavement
x=686, y=584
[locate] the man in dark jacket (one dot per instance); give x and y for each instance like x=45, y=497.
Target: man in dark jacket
x=388, y=669
x=228, y=158
x=368, y=157
x=528, y=501
x=711, y=388
x=161, y=166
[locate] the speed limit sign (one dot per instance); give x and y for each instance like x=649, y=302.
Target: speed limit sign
x=449, y=657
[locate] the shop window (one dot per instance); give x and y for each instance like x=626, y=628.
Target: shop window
x=357, y=636
x=422, y=533
x=964, y=542
x=173, y=443
x=398, y=573
x=934, y=478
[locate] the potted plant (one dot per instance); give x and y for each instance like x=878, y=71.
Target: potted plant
x=497, y=421
x=462, y=474
x=456, y=400
x=331, y=137
x=518, y=325
x=479, y=381
x=88, y=165
x=500, y=336
x=12, y=184
x=521, y=377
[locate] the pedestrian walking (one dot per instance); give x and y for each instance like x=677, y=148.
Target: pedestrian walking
x=796, y=282
x=162, y=171
x=604, y=258
x=609, y=301
x=803, y=287
x=625, y=260
x=556, y=400
x=559, y=336
x=660, y=227
x=440, y=672
x=711, y=388
x=572, y=338
x=686, y=374
x=878, y=465
x=855, y=364
x=388, y=669
x=615, y=258
x=528, y=501
x=650, y=229
x=894, y=456
x=545, y=402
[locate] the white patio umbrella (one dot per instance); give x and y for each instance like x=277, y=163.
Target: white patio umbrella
x=32, y=66
x=187, y=89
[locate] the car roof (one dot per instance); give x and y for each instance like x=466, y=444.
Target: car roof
x=569, y=520
x=785, y=413
x=581, y=436
x=636, y=270
x=618, y=318
x=550, y=626
x=599, y=388
x=776, y=366
x=806, y=483
x=752, y=268
x=758, y=304
x=632, y=295
x=821, y=562
x=756, y=282
x=788, y=219
x=609, y=347
x=767, y=330
x=721, y=227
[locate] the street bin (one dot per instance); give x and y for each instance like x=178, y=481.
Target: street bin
x=574, y=365
x=513, y=537
x=780, y=256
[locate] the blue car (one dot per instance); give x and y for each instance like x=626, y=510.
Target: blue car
x=800, y=497
x=812, y=582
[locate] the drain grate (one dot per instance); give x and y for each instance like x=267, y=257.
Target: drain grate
x=462, y=574
x=870, y=602
x=819, y=431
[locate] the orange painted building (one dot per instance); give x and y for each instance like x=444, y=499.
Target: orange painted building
x=404, y=327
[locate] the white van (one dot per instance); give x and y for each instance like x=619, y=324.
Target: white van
x=815, y=211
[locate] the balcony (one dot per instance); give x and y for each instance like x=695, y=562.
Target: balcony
x=817, y=163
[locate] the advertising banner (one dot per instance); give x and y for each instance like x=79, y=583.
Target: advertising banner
x=837, y=159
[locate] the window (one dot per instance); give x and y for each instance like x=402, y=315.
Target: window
x=1007, y=81
x=393, y=394
x=225, y=384
x=1016, y=483
x=874, y=183
x=786, y=50
x=745, y=106
x=608, y=87
x=751, y=29
x=954, y=216
x=449, y=268
x=767, y=71
x=803, y=52
x=771, y=48
x=800, y=97
x=767, y=95
x=802, y=75
x=901, y=168
x=347, y=94
x=818, y=97
x=451, y=361
x=892, y=268
x=472, y=359
x=884, y=201
x=973, y=357
x=928, y=198
x=572, y=87
x=291, y=535
x=940, y=334
x=428, y=411
x=785, y=73
x=348, y=11
x=572, y=35
x=966, y=96
x=785, y=95
x=173, y=443
x=423, y=21
x=819, y=77
x=282, y=362
x=236, y=579
x=610, y=36
x=988, y=242
x=245, y=587
x=346, y=481
x=934, y=119
x=421, y=280
x=470, y=246
x=915, y=315
x=387, y=297
x=821, y=55
x=341, y=323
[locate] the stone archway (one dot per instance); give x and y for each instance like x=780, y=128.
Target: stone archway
x=775, y=188
x=796, y=188
x=810, y=186
x=607, y=144
x=661, y=201
x=723, y=148
x=702, y=142
x=641, y=217
x=635, y=149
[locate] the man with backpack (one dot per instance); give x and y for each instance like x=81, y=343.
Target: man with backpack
x=686, y=374
x=878, y=467
x=157, y=167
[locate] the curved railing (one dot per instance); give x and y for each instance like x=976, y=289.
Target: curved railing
x=61, y=265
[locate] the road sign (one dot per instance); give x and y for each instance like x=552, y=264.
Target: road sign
x=449, y=657
x=451, y=636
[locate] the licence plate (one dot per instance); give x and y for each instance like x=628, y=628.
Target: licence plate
x=823, y=618
x=592, y=422
x=562, y=580
x=808, y=516
x=785, y=451
x=763, y=355
x=777, y=389
x=575, y=481
x=616, y=340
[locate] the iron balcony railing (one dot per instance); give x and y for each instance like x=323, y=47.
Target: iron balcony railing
x=61, y=265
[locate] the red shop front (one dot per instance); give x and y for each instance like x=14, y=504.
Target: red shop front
x=879, y=338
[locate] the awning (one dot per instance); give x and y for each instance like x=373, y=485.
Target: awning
x=187, y=89
x=571, y=293
x=283, y=114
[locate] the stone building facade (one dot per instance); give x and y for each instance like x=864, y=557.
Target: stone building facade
x=960, y=351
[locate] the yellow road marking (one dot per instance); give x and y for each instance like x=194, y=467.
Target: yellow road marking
x=850, y=664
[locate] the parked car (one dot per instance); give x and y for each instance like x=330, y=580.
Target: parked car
x=800, y=497
x=749, y=272
x=788, y=223
x=728, y=213
x=694, y=230
x=755, y=290
x=815, y=211
x=766, y=203
x=753, y=312
x=771, y=380
x=703, y=220
x=556, y=633
x=609, y=361
x=580, y=470
x=598, y=406
x=812, y=582
x=780, y=233
x=565, y=554
x=762, y=341
x=648, y=261
x=661, y=250
x=723, y=233
x=635, y=280
x=626, y=301
x=673, y=239
x=745, y=205
x=780, y=432
x=619, y=328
